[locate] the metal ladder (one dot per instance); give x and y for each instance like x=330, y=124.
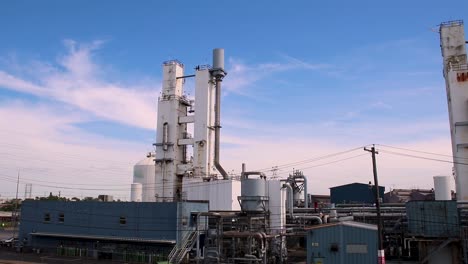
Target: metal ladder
x=179, y=251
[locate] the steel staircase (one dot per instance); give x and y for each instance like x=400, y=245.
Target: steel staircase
x=179, y=251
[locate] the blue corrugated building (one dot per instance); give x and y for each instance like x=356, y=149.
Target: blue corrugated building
x=116, y=230
x=343, y=242
x=354, y=193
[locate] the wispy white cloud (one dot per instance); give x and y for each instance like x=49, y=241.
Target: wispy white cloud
x=11, y=82
x=243, y=76
x=380, y=105
x=40, y=137
x=42, y=143
x=296, y=63
x=77, y=80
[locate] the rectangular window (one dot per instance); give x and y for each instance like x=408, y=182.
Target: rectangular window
x=47, y=217
x=123, y=220
x=356, y=249
x=61, y=218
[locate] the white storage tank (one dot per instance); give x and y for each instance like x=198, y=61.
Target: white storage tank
x=277, y=206
x=136, y=192
x=144, y=172
x=253, y=192
x=442, y=190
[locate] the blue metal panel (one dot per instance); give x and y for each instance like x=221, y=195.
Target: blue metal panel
x=354, y=193
x=155, y=221
x=339, y=244
x=433, y=218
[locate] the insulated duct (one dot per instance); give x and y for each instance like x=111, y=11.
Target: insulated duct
x=290, y=199
x=218, y=73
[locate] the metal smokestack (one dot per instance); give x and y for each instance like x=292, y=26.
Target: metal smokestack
x=218, y=60
x=218, y=73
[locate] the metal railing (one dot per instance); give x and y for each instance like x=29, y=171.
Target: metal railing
x=452, y=23
x=458, y=67
x=181, y=249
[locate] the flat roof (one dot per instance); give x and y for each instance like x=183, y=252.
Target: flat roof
x=346, y=223
x=354, y=183
x=112, y=238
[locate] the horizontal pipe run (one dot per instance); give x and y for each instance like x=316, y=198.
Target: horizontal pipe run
x=186, y=76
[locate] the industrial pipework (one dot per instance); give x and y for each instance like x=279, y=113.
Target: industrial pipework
x=218, y=73
x=299, y=175
x=290, y=202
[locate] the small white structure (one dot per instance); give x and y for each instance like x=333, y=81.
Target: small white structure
x=221, y=194
x=442, y=189
x=136, y=192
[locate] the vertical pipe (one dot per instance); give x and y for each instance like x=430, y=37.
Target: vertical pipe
x=290, y=199
x=217, y=130
x=218, y=73
x=165, y=135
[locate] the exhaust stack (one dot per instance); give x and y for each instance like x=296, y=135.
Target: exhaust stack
x=218, y=74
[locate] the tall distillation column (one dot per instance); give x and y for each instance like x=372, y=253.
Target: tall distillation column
x=175, y=176
x=170, y=146
x=453, y=45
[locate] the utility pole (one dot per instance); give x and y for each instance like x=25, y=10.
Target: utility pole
x=380, y=251
x=15, y=212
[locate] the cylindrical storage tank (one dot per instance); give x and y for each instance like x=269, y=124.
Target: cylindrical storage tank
x=253, y=194
x=276, y=206
x=144, y=172
x=442, y=191
x=136, y=193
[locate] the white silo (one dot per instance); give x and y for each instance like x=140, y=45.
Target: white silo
x=442, y=189
x=144, y=173
x=136, y=194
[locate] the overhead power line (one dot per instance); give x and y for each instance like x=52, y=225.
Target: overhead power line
x=421, y=157
x=420, y=151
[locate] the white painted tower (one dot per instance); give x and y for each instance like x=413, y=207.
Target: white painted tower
x=172, y=137
x=179, y=177
x=453, y=45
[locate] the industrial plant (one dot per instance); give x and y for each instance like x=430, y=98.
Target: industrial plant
x=185, y=207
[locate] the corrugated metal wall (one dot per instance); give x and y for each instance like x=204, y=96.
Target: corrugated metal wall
x=433, y=218
x=354, y=193
x=339, y=244
x=155, y=221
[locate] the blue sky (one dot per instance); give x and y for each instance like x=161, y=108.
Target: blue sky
x=79, y=82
